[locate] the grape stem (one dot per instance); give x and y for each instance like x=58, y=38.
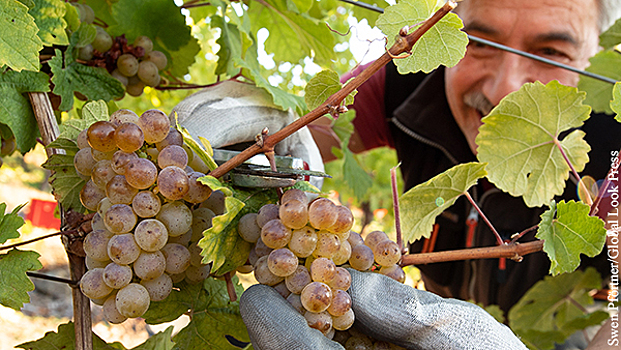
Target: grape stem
x=515, y=238
x=395, y=205
x=401, y=45
x=513, y=251
x=588, y=199
x=489, y=224
x=52, y=278
x=61, y=233
x=230, y=288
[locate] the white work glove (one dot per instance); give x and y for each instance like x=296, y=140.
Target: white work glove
x=385, y=310
x=233, y=112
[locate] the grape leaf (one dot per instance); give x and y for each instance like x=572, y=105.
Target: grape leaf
x=201, y=13
x=599, y=93
x=323, y=85
x=14, y=284
x=444, y=44
x=293, y=36
x=568, y=231
x=49, y=17
x=206, y=156
x=612, y=36
x=548, y=312
x=159, y=341
x=518, y=140
x=213, y=316
x=230, y=42
x=64, y=339
x=163, y=23
x=15, y=108
x=19, y=43
x=370, y=15
x=421, y=204
x=71, y=17
x=615, y=104
x=94, y=83
x=103, y=10
x=84, y=35
x=9, y=223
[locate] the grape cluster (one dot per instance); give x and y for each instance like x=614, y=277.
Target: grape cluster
x=144, y=230
x=299, y=247
x=7, y=146
x=135, y=66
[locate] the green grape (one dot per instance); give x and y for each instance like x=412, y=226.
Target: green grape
x=321, y=321
x=151, y=235
x=316, y=297
x=97, y=155
x=248, y=228
x=328, y=244
x=298, y=279
x=120, y=218
x=101, y=136
x=201, y=221
x=85, y=13
x=120, y=77
x=340, y=305
x=172, y=155
x=361, y=257
x=294, y=300
x=321, y=213
x=122, y=249
x=117, y=276
x=281, y=288
x=145, y=43
x=275, y=235
x=294, y=193
x=387, y=253
x=267, y=213
x=90, y=195
x=82, y=139
x=103, y=206
x=375, y=237
x=155, y=125
x=85, y=53
x=345, y=321
x=121, y=116
x=196, y=274
x=150, y=265
x=354, y=239
x=119, y=191
x=96, y=245
x=132, y=300
x=157, y=57
x=83, y=161
x=102, y=173
x=174, y=137
x=263, y=274
x=97, y=222
x=128, y=137
x=173, y=183
x=93, y=285
x=148, y=74
x=127, y=64
x=94, y=264
x=146, y=204
x=342, y=255
x=103, y=41
x=177, y=218
x=282, y=262
x=293, y=214
x=341, y=279
x=322, y=270
x=177, y=258
x=394, y=271
x=215, y=202
x=159, y=288
x=197, y=192
x=110, y=312
x=303, y=241
x=344, y=220
x=120, y=160
x=134, y=86
x=140, y=173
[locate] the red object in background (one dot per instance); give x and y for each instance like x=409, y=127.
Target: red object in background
x=41, y=214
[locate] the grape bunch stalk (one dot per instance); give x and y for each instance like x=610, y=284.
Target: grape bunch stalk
x=302, y=248
x=135, y=66
x=150, y=211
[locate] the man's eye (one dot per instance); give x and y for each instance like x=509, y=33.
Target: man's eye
x=550, y=52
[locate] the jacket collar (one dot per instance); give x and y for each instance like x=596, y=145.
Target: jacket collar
x=426, y=114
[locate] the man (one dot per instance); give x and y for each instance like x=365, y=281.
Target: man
x=432, y=121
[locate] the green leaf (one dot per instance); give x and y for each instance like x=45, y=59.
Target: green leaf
x=70, y=146
x=213, y=316
x=49, y=17
x=163, y=23
x=159, y=341
x=599, y=93
x=323, y=85
x=548, y=312
x=200, y=13
x=519, y=138
x=71, y=17
x=94, y=83
x=92, y=112
x=85, y=35
x=370, y=15
x=15, y=108
x=612, y=36
x=356, y=178
x=14, y=283
x=422, y=204
x=293, y=36
x=65, y=181
x=9, y=223
x=64, y=339
x=615, y=104
x=444, y=44
x=568, y=231
x=19, y=43
x=230, y=42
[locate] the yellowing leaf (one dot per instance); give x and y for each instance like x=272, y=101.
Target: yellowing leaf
x=568, y=231
x=518, y=141
x=14, y=283
x=49, y=17
x=19, y=43
x=444, y=44
x=422, y=204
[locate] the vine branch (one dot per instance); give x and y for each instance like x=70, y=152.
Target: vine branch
x=52, y=278
x=489, y=224
x=401, y=45
x=588, y=199
x=513, y=251
x=60, y=233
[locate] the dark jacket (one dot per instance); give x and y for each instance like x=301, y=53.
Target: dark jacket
x=428, y=141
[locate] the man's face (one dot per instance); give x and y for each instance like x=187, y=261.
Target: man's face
x=564, y=31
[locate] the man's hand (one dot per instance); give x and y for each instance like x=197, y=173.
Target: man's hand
x=385, y=310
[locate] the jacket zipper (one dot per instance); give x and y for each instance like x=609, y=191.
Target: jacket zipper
x=416, y=136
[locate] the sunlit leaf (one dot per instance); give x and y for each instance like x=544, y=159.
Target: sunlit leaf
x=421, y=205
x=158, y=341
x=553, y=308
x=370, y=15
x=14, y=283
x=323, y=85
x=444, y=44
x=615, y=104
x=49, y=17
x=10, y=222
x=599, y=93
x=64, y=339
x=518, y=141
x=568, y=231
x=15, y=108
x=19, y=42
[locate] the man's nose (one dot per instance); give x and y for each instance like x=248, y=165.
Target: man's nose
x=506, y=76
